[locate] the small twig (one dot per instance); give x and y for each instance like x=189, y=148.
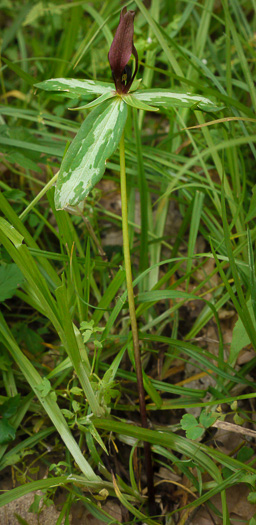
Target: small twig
x=230, y=427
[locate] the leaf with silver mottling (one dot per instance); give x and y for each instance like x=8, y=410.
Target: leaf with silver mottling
x=75, y=86
x=85, y=161
x=165, y=99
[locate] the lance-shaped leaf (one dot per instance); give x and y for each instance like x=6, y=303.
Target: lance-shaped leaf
x=139, y=104
x=167, y=99
x=76, y=87
x=95, y=102
x=85, y=161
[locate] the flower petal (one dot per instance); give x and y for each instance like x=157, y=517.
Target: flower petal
x=122, y=46
x=121, y=50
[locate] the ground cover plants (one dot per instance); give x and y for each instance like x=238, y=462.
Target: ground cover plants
x=128, y=299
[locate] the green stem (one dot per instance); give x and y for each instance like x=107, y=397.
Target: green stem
x=135, y=336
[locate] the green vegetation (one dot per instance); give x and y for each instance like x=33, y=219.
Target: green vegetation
x=69, y=401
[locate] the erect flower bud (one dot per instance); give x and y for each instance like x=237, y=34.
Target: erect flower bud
x=120, y=52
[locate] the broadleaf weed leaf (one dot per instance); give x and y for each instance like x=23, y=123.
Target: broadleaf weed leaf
x=207, y=419
x=188, y=421
x=194, y=433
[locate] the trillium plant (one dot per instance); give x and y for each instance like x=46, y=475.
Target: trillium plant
x=97, y=139
x=100, y=134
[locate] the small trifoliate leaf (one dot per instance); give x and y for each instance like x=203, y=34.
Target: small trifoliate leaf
x=44, y=388
x=238, y=420
x=76, y=391
x=53, y=396
x=76, y=406
x=188, y=421
x=67, y=413
x=207, y=419
x=194, y=433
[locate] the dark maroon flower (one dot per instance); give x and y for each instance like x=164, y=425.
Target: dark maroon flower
x=120, y=52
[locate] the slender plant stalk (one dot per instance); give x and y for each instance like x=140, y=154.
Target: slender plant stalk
x=135, y=337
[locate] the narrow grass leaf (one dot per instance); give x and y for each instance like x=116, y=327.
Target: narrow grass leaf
x=143, y=187
x=109, y=295
x=44, y=484
x=79, y=361
x=193, y=231
x=241, y=56
x=156, y=30
x=239, y=301
x=130, y=507
x=167, y=439
x=240, y=337
x=15, y=237
x=48, y=402
x=252, y=273
x=19, y=71
x=12, y=28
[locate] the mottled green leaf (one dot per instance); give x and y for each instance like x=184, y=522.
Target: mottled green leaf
x=163, y=98
x=76, y=87
x=85, y=161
